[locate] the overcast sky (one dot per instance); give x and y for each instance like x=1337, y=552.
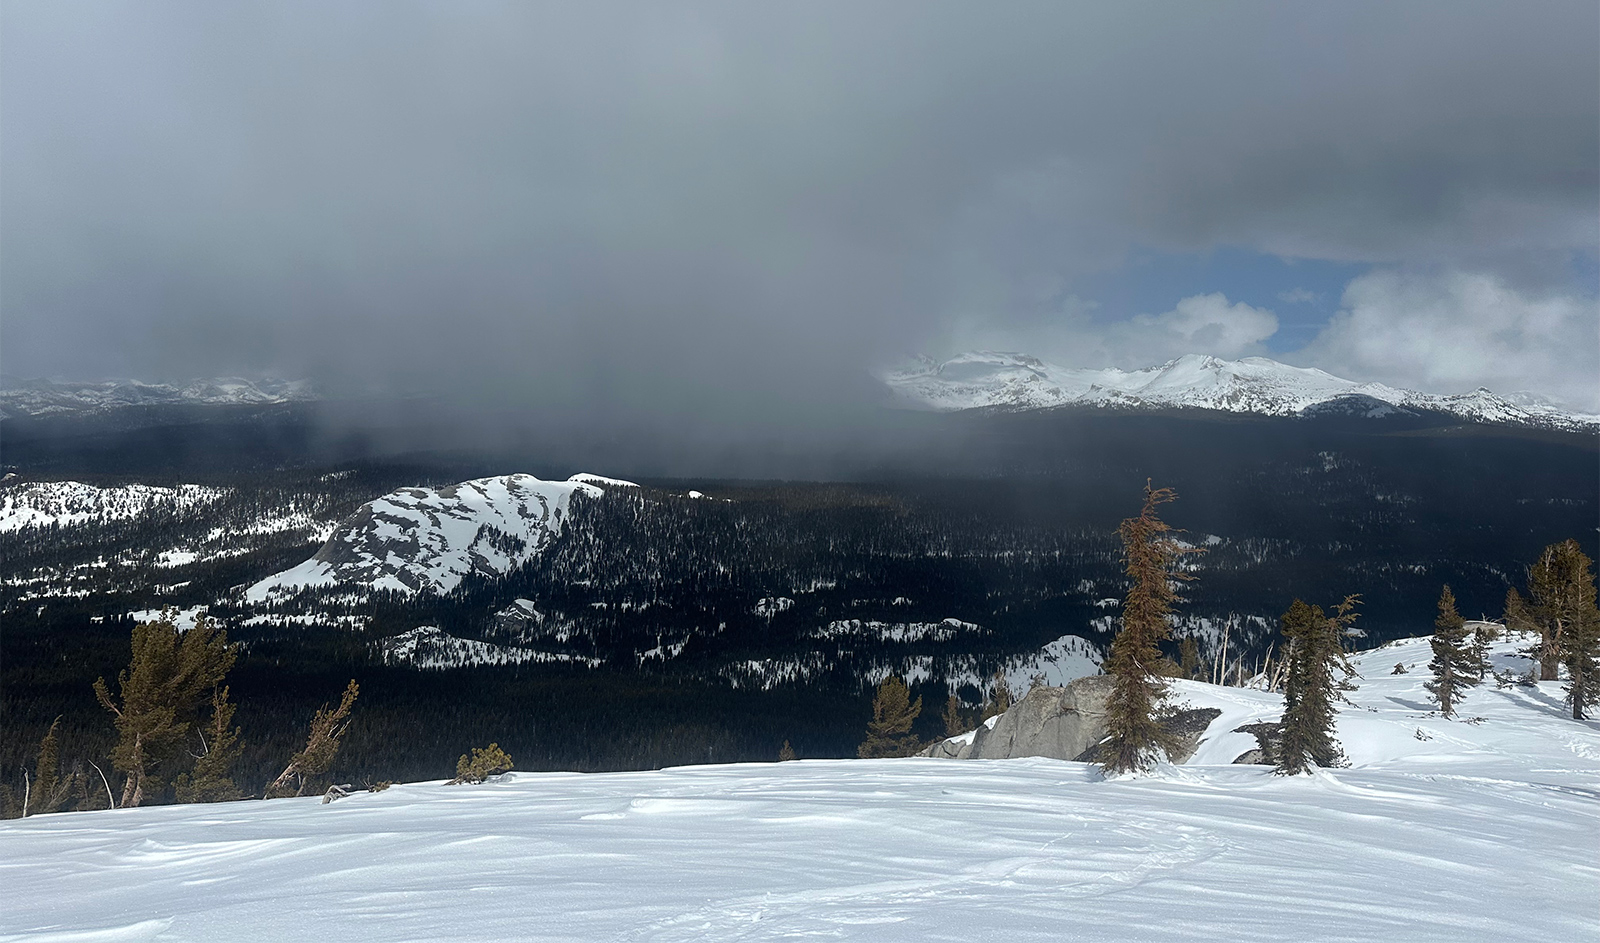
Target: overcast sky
x=737, y=212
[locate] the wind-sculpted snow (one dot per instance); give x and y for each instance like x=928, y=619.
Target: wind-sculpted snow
x=71, y=503
x=428, y=539
x=1483, y=831
x=1252, y=385
x=48, y=398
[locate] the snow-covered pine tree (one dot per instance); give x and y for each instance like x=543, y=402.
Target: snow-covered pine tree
x=889, y=732
x=1316, y=679
x=1454, y=666
x=1135, y=737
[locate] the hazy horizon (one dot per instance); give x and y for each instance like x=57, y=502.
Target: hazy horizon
x=634, y=219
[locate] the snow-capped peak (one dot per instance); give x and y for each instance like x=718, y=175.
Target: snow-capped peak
x=55, y=398
x=428, y=539
x=998, y=380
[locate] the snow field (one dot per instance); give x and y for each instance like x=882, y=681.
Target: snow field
x=1485, y=829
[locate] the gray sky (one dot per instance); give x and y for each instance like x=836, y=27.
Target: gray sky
x=730, y=214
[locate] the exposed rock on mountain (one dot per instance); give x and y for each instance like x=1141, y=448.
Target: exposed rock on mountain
x=1065, y=723
x=427, y=539
x=1257, y=385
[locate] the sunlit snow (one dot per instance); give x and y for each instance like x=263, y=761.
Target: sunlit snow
x=1479, y=828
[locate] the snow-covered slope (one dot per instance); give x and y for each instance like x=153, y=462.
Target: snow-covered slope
x=1477, y=829
x=430, y=647
x=1253, y=385
x=66, y=503
x=417, y=539
x=48, y=398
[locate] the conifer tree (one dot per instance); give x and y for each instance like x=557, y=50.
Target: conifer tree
x=1188, y=657
x=786, y=753
x=1483, y=634
x=889, y=732
x=212, y=780
x=322, y=745
x=1135, y=737
x=1580, y=632
x=49, y=790
x=999, y=697
x=484, y=762
x=1454, y=666
x=159, y=696
x=1315, y=681
x=955, y=721
x=1560, y=594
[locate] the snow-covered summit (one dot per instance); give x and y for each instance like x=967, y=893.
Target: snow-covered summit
x=428, y=539
x=988, y=379
x=52, y=398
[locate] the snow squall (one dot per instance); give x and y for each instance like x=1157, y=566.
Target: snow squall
x=1482, y=828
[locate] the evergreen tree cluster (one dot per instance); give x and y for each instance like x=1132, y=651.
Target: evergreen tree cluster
x=1318, y=673
x=157, y=707
x=1560, y=613
x=893, y=713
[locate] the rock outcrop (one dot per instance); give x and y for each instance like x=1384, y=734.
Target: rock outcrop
x=1065, y=723
x=1056, y=722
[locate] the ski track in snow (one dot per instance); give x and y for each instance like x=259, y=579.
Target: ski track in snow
x=1486, y=831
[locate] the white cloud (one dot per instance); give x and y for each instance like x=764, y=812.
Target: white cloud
x=1297, y=296
x=1198, y=324
x=1456, y=331
x=1206, y=324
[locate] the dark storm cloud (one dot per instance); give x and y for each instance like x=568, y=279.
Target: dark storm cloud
x=723, y=215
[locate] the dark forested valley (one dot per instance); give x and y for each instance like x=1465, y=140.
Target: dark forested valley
x=661, y=628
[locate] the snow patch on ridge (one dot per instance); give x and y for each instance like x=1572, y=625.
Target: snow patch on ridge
x=70, y=503
x=428, y=539
x=430, y=647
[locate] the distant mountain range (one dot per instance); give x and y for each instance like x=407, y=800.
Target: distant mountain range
x=51, y=398
x=1009, y=381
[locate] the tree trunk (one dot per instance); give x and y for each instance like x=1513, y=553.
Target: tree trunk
x=1550, y=654
x=133, y=790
